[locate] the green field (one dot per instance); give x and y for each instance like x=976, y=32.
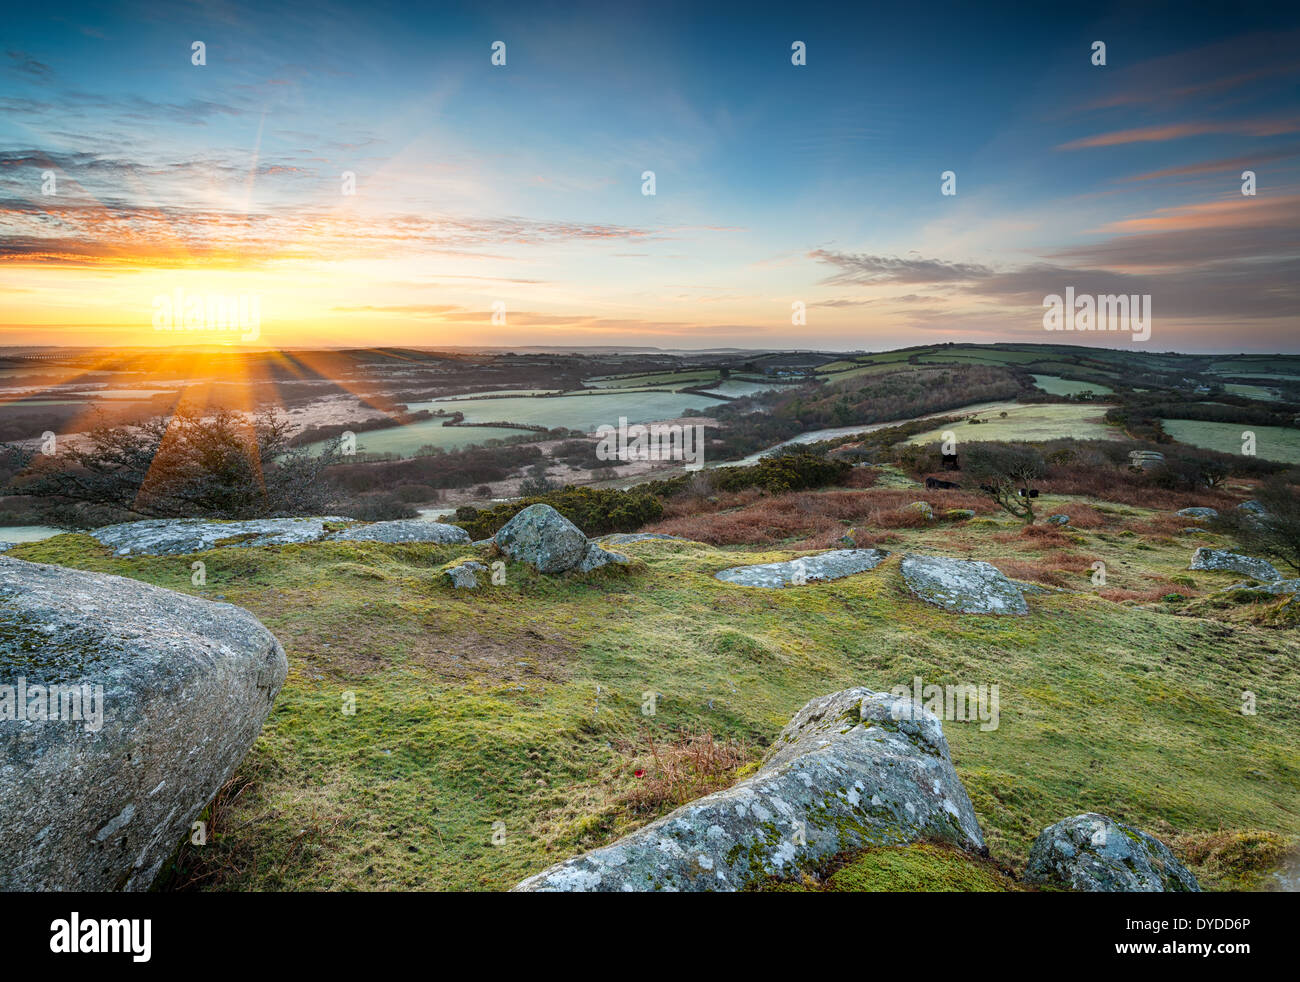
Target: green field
x=981, y=357
x=1253, y=392
x=738, y=387
x=1045, y=422
x=579, y=410
x=874, y=369
x=1281, y=443
x=404, y=440
x=658, y=380
x=1058, y=386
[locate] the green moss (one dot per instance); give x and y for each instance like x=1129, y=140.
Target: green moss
x=915, y=868
x=29, y=648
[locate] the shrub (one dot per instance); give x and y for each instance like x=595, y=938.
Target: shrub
x=1276, y=533
x=597, y=511
x=221, y=464
x=375, y=507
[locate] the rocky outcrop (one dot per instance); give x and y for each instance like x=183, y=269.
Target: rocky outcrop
x=1198, y=512
x=179, y=536
x=1058, y=519
x=597, y=557
x=1145, y=459
x=924, y=508
x=1253, y=507
x=826, y=566
x=850, y=769
x=550, y=543
x=1093, y=853
x=171, y=692
x=1221, y=560
x=464, y=576
x=963, y=586
x=404, y=530
x=542, y=537
x=627, y=538
x=1276, y=588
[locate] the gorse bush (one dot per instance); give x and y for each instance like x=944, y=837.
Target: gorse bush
x=597, y=511
x=795, y=469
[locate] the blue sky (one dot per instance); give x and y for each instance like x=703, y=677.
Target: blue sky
x=775, y=184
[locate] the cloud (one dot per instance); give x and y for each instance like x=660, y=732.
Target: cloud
x=77, y=230
x=872, y=270
x=409, y=309
x=1231, y=258
x=1179, y=131
x=1234, y=164
x=25, y=63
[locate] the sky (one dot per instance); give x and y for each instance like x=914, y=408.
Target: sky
x=794, y=205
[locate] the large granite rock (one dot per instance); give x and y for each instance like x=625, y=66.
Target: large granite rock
x=596, y=557
x=177, y=536
x=827, y=566
x=404, y=530
x=1098, y=854
x=964, y=586
x=1221, y=560
x=542, y=537
x=102, y=803
x=1198, y=512
x=851, y=769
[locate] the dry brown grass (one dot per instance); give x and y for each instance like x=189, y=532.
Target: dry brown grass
x=1158, y=590
x=1233, y=859
x=1121, y=487
x=672, y=772
x=817, y=518
x=1034, y=536
x=1034, y=571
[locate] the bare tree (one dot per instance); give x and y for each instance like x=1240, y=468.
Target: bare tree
x=1274, y=533
x=219, y=465
x=1007, y=474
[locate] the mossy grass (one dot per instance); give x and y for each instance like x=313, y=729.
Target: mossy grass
x=515, y=704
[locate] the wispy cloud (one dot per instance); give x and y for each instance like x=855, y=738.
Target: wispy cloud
x=872, y=270
x=1180, y=131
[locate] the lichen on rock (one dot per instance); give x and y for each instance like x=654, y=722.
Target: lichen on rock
x=851, y=769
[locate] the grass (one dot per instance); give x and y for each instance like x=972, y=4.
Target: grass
x=583, y=411
x=698, y=377
x=1035, y=422
x=500, y=731
x=918, y=868
x=1058, y=386
x=1253, y=392
x=1281, y=443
